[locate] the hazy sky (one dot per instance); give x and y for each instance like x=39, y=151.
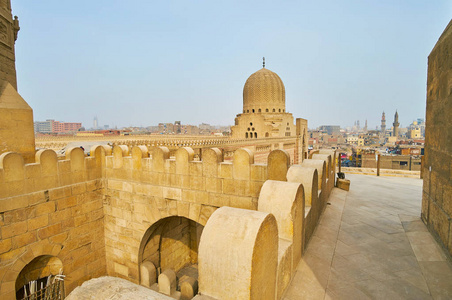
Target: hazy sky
x=144, y=62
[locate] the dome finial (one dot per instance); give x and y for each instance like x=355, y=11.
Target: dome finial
x=263, y=62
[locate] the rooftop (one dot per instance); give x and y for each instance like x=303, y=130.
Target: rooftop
x=372, y=244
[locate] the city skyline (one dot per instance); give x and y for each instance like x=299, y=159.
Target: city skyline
x=137, y=64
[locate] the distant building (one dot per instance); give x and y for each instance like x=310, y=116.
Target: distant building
x=416, y=129
x=52, y=126
x=331, y=129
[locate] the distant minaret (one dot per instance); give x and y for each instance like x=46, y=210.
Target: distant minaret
x=357, y=124
x=365, y=126
x=383, y=123
x=95, y=123
x=395, y=130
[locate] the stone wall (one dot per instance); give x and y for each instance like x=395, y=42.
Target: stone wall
x=97, y=214
x=145, y=187
x=437, y=189
x=51, y=208
x=392, y=162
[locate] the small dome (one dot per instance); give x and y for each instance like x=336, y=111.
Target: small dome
x=263, y=91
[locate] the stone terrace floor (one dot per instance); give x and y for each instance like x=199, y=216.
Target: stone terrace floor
x=371, y=244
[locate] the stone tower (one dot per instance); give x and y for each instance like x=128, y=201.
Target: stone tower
x=16, y=116
x=395, y=130
x=365, y=126
x=9, y=28
x=383, y=123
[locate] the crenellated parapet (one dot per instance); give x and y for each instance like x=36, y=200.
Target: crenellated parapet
x=48, y=172
x=95, y=213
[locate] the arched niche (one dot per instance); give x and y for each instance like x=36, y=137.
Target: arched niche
x=39, y=269
x=172, y=243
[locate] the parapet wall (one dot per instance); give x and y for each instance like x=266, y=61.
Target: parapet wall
x=93, y=212
x=51, y=208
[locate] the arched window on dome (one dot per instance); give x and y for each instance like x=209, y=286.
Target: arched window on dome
x=259, y=110
x=247, y=110
x=246, y=135
x=266, y=134
x=266, y=110
x=255, y=135
x=253, y=111
x=283, y=110
x=273, y=110
x=280, y=110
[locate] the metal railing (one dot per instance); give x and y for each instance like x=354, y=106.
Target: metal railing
x=54, y=289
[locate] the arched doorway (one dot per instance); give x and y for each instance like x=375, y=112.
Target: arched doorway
x=172, y=243
x=42, y=270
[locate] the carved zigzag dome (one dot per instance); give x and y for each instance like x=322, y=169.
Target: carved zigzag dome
x=264, y=90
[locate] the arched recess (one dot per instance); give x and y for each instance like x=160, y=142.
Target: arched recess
x=172, y=243
x=39, y=269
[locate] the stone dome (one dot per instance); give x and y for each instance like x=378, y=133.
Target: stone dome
x=264, y=92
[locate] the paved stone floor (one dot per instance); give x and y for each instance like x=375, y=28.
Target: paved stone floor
x=371, y=244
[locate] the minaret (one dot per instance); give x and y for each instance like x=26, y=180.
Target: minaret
x=383, y=123
x=395, y=130
x=9, y=27
x=365, y=126
x=95, y=123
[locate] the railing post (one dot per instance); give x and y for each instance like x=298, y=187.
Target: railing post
x=422, y=167
x=378, y=165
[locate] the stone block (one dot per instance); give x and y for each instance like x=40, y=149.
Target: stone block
x=194, y=211
x=79, y=188
x=226, y=170
x=219, y=199
x=8, y=204
x=5, y=245
x=13, y=166
x=188, y=287
x=213, y=185
x=14, y=229
x=210, y=162
x=197, y=183
x=343, y=184
x=184, y=156
x=242, y=160
x=48, y=231
x=196, y=168
x=24, y=239
x=38, y=222
x=278, y=165
x=45, y=208
x=183, y=208
x=58, y=193
x=32, y=171
x=259, y=172
x=167, y=282
x=439, y=220
x=66, y=202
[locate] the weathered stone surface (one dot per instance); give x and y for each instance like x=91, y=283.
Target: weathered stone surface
x=437, y=199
